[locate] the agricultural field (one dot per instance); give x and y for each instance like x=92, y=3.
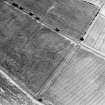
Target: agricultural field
x=52, y=51
x=72, y=18
x=29, y=51
x=12, y=95
x=95, y=37
x=81, y=81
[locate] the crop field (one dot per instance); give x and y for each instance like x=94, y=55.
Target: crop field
x=81, y=82
x=29, y=51
x=53, y=51
x=96, y=35
x=12, y=95
x=71, y=17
